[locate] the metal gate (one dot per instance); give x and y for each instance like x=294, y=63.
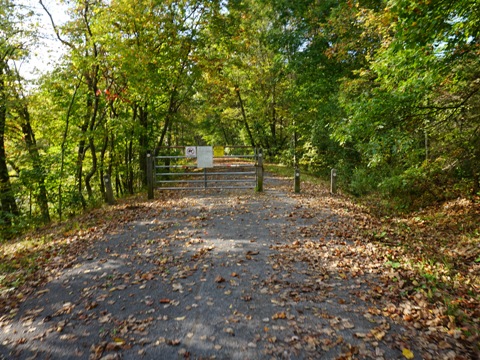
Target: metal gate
x=207, y=167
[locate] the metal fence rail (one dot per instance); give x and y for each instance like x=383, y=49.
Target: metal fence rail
x=177, y=168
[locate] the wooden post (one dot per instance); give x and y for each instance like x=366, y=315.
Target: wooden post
x=259, y=186
x=108, y=190
x=150, y=175
x=296, y=180
x=333, y=181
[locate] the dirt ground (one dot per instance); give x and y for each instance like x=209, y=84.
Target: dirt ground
x=222, y=275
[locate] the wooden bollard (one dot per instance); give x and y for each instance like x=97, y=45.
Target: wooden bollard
x=296, y=180
x=108, y=190
x=333, y=181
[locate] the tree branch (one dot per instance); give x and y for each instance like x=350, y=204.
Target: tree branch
x=65, y=42
x=453, y=107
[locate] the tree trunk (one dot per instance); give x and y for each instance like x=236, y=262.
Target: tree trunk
x=81, y=155
x=93, y=170
x=93, y=86
x=131, y=176
x=273, y=122
x=7, y=198
x=102, y=165
x=118, y=185
x=64, y=143
x=244, y=115
x=476, y=183
x=143, y=141
x=172, y=109
x=39, y=171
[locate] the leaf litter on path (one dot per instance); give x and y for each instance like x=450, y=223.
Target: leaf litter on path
x=232, y=275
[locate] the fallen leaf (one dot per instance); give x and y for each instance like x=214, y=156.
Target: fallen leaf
x=177, y=287
x=110, y=357
x=407, y=353
x=219, y=279
x=68, y=337
x=119, y=341
x=279, y=315
x=174, y=342
x=104, y=319
x=112, y=346
x=160, y=341
x=148, y=276
x=378, y=334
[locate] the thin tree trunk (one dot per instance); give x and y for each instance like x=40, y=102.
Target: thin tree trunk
x=31, y=143
x=476, y=183
x=244, y=115
x=273, y=123
x=93, y=170
x=81, y=154
x=131, y=175
x=174, y=103
x=64, y=143
x=7, y=199
x=172, y=108
x=143, y=141
x=40, y=194
x=91, y=142
x=102, y=165
x=118, y=185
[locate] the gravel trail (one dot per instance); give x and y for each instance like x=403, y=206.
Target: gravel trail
x=212, y=275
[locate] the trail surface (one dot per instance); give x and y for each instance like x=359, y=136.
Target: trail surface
x=220, y=275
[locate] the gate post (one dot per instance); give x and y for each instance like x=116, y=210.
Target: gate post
x=259, y=187
x=150, y=175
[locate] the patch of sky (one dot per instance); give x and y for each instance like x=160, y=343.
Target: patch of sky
x=48, y=50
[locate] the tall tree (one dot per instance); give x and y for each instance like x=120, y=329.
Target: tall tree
x=39, y=174
x=412, y=109
x=86, y=52
x=11, y=48
x=7, y=198
x=244, y=79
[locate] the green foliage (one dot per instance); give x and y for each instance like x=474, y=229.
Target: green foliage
x=386, y=92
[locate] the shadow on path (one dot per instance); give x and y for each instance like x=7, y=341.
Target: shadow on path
x=221, y=275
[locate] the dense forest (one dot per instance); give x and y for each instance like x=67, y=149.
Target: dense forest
x=385, y=91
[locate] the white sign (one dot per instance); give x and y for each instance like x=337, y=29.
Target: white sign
x=204, y=156
x=190, y=151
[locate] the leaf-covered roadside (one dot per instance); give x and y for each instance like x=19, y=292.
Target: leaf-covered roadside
x=35, y=258
x=437, y=300
x=429, y=262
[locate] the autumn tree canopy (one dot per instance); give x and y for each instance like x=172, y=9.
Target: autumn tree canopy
x=387, y=92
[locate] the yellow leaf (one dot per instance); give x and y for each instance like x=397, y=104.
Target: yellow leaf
x=279, y=315
x=407, y=353
x=378, y=334
x=119, y=341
